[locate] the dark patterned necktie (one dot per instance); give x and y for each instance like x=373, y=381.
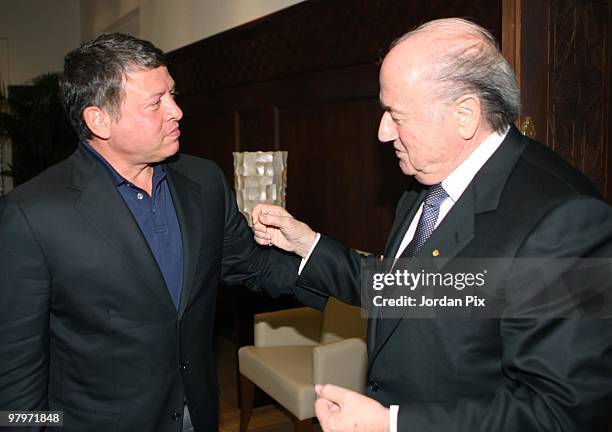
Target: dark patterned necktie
x=429, y=216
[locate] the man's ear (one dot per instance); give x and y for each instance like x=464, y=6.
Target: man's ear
x=467, y=115
x=98, y=121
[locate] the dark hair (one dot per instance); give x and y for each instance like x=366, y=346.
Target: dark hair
x=93, y=74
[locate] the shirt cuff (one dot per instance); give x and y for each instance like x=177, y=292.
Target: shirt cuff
x=393, y=412
x=305, y=260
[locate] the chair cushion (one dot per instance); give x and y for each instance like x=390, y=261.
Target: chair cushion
x=342, y=321
x=285, y=373
x=297, y=326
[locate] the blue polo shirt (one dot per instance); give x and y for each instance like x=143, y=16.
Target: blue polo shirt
x=156, y=217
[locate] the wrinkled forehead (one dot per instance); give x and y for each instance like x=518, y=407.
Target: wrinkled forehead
x=145, y=83
x=158, y=76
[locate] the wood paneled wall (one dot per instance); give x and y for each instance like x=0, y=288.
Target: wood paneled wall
x=305, y=79
x=561, y=53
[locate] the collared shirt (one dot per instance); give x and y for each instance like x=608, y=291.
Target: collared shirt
x=457, y=182
x=156, y=217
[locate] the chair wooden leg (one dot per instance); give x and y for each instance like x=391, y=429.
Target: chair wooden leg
x=302, y=425
x=247, y=393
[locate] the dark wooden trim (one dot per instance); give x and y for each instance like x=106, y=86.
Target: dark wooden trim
x=247, y=394
x=510, y=30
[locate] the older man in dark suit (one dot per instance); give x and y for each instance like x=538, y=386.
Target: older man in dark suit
x=110, y=260
x=450, y=99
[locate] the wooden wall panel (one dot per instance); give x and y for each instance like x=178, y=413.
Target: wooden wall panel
x=312, y=36
x=212, y=136
x=305, y=79
x=339, y=169
x=564, y=64
x=258, y=129
x=579, y=75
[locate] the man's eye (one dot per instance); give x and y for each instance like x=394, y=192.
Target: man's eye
x=174, y=94
x=156, y=103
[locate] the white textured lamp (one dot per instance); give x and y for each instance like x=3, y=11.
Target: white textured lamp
x=259, y=177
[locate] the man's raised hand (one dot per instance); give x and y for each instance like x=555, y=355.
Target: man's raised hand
x=274, y=225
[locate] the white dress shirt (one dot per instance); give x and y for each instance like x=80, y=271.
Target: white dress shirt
x=456, y=183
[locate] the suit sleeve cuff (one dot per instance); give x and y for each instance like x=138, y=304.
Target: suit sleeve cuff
x=305, y=260
x=393, y=414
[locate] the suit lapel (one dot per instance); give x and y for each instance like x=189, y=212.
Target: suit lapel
x=449, y=238
x=410, y=202
x=187, y=198
x=102, y=206
x=407, y=207
x=454, y=232
x=458, y=227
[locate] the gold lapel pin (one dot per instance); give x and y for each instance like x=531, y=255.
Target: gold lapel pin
x=435, y=252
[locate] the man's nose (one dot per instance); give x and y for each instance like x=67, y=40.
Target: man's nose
x=387, y=130
x=174, y=111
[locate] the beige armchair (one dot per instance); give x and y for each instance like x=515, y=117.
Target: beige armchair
x=298, y=348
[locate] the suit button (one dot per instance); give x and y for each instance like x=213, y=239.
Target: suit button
x=177, y=416
x=373, y=385
x=185, y=366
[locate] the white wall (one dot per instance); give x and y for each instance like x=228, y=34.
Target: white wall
x=35, y=35
x=171, y=24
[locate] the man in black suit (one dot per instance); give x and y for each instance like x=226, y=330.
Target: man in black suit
x=111, y=259
x=450, y=100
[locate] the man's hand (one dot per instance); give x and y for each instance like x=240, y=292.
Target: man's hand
x=339, y=410
x=274, y=225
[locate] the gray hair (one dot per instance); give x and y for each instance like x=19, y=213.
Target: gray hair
x=476, y=67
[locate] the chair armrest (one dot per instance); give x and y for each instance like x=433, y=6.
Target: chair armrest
x=298, y=326
x=342, y=363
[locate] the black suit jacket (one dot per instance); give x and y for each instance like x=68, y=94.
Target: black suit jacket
x=492, y=374
x=87, y=324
